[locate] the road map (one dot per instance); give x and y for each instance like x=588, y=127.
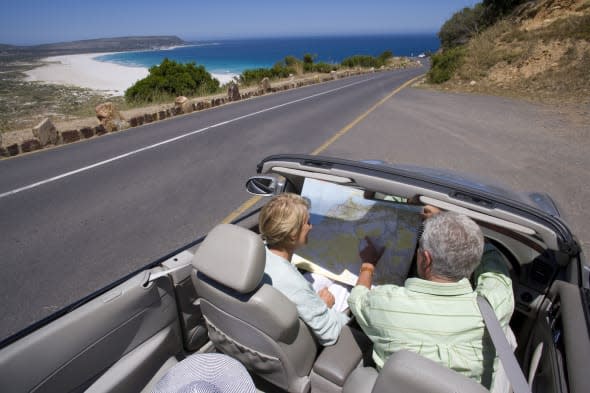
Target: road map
x=342, y=217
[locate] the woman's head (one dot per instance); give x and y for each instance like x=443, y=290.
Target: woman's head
x=284, y=221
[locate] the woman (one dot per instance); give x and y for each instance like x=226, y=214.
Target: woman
x=284, y=226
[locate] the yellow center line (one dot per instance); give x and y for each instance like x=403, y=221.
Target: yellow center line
x=252, y=201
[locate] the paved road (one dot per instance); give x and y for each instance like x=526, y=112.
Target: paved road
x=77, y=217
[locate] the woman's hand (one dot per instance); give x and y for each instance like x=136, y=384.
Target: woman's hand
x=327, y=297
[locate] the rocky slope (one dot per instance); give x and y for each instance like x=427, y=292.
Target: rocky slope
x=541, y=52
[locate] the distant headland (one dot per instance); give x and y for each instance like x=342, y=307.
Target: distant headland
x=115, y=44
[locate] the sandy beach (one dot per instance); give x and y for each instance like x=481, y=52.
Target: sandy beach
x=83, y=70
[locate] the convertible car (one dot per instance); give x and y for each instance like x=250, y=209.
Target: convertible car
x=209, y=296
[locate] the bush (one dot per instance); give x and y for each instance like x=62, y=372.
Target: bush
x=172, y=79
x=367, y=61
x=383, y=57
x=445, y=64
x=255, y=75
x=292, y=65
x=279, y=70
x=324, y=67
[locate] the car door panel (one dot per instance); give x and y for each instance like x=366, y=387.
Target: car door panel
x=562, y=333
x=72, y=352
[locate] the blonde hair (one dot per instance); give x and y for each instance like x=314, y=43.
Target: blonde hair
x=281, y=220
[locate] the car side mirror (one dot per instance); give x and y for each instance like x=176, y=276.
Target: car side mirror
x=265, y=185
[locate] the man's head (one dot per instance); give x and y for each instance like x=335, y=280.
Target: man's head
x=284, y=221
x=450, y=248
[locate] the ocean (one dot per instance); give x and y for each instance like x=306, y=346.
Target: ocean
x=231, y=57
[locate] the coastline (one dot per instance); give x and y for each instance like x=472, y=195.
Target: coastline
x=83, y=70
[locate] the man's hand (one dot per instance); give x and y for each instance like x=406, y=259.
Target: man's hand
x=429, y=211
x=327, y=297
x=370, y=254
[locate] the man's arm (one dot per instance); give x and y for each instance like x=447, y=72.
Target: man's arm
x=370, y=255
x=492, y=280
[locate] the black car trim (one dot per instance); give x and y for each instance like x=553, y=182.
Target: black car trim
x=566, y=241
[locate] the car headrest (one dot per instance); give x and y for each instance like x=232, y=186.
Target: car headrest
x=233, y=256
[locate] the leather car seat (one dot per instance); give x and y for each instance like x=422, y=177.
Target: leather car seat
x=247, y=318
x=408, y=372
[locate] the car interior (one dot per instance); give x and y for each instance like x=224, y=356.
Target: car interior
x=211, y=296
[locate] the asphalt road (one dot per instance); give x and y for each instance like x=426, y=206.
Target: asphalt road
x=64, y=238
x=77, y=217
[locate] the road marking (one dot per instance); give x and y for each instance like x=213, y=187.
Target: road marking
x=131, y=153
x=356, y=121
x=252, y=201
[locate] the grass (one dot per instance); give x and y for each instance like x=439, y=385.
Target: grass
x=483, y=51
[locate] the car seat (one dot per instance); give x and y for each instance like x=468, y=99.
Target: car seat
x=247, y=318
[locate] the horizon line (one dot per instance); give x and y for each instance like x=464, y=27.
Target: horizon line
x=189, y=38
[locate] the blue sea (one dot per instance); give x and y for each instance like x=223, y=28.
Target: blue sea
x=231, y=57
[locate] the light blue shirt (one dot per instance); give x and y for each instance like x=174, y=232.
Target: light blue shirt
x=324, y=322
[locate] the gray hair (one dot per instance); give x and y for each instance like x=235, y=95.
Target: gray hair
x=455, y=243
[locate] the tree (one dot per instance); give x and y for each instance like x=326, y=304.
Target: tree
x=463, y=25
x=386, y=55
x=499, y=8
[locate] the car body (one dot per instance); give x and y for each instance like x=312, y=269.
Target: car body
x=127, y=335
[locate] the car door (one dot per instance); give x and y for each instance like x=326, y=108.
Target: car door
x=558, y=351
x=116, y=342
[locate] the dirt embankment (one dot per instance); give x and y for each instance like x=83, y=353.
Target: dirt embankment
x=541, y=53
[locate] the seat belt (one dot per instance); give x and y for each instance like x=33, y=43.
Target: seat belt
x=503, y=349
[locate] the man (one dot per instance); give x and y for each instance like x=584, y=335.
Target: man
x=436, y=314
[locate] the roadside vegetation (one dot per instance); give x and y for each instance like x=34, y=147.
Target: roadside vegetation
x=534, y=50
x=170, y=80
x=35, y=101
x=291, y=65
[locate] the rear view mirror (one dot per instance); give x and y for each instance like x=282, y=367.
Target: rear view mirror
x=265, y=185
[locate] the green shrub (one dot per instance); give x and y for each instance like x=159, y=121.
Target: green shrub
x=279, y=70
x=445, y=64
x=324, y=67
x=308, y=60
x=172, y=79
x=367, y=61
x=383, y=57
x=255, y=75
x=291, y=65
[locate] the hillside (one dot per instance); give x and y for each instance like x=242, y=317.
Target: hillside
x=116, y=44
x=540, y=52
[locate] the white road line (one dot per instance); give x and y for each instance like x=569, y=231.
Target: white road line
x=119, y=157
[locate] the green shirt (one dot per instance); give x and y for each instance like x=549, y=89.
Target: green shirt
x=440, y=321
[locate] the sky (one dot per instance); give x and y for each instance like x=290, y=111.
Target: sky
x=29, y=22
